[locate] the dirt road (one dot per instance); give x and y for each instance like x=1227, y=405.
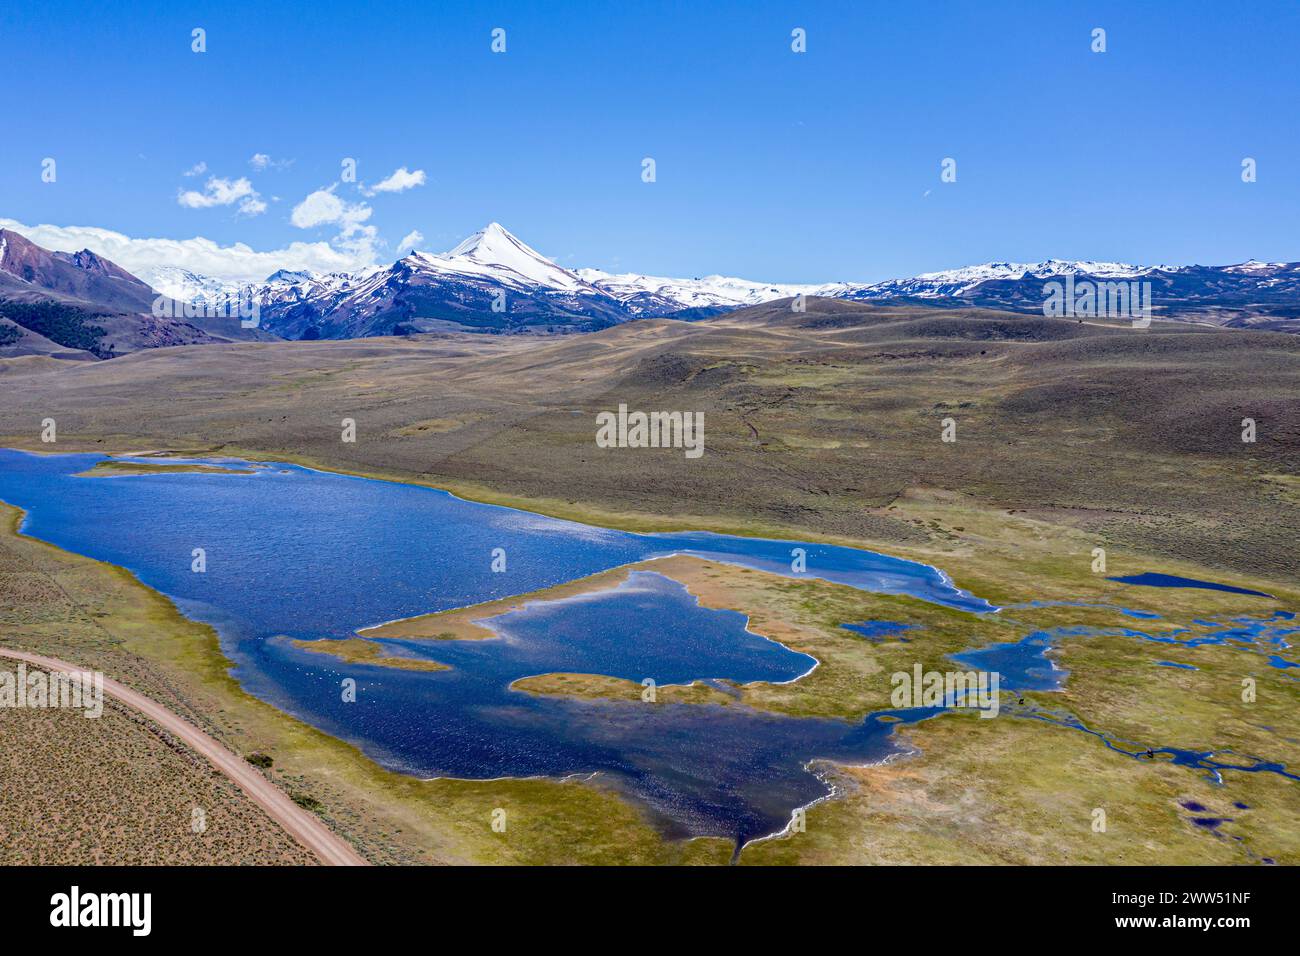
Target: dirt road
x=302, y=825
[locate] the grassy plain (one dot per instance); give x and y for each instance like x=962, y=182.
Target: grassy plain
x=822, y=426
x=814, y=422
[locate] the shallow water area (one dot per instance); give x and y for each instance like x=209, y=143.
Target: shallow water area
x=290, y=553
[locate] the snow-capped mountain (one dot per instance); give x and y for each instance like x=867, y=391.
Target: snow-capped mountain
x=656, y=295
x=185, y=286
x=289, y=276
x=493, y=281
x=960, y=281
x=1250, y=294
x=495, y=253
x=722, y=291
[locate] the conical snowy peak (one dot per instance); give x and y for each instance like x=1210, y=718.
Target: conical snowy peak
x=493, y=239
x=493, y=249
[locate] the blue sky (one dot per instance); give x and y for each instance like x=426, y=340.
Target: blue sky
x=770, y=165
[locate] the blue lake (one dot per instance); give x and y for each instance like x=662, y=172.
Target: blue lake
x=295, y=553
x=1021, y=665
x=620, y=632
x=1153, y=579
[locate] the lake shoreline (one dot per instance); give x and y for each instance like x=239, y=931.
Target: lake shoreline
x=347, y=779
x=624, y=569
x=266, y=509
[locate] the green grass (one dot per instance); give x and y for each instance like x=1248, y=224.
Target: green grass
x=355, y=650
x=110, y=467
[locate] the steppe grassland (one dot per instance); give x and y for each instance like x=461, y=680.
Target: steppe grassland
x=818, y=427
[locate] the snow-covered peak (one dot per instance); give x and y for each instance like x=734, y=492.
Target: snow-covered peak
x=493, y=259
x=1254, y=265
x=185, y=286
x=695, y=293
x=290, y=276
x=494, y=252
x=990, y=271
x=491, y=242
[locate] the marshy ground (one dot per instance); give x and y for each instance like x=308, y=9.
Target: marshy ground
x=822, y=425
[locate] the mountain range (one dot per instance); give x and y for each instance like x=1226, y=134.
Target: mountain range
x=82, y=305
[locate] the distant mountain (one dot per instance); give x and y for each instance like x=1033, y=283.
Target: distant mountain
x=1251, y=294
x=494, y=282
x=490, y=282
x=29, y=272
x=653, y=296
x=1247, y=295
x=493, y=268
x=290, y=276
x=85, y=304
x=186, y=286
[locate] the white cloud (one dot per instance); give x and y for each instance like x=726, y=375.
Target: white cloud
x=319, y=208
x=325, y=208
x=234, y=263
x=252, y=206
x=411, y=240
x=261, y=161
x=198, y=169
x=223, y=192
x=401, y=179
x=359, y=241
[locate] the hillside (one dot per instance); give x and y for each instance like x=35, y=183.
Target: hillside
x=81, y=305
x=815, y=421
